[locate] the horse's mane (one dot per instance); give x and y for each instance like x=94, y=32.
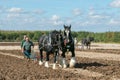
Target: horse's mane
x=53, y=33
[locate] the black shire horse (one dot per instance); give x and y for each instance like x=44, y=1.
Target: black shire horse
x=50, y=43
x=86, y=42
x=68, y=45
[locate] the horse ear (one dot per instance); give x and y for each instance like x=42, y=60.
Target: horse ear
x=60, y=31
x=64, y=26
x=70, y=26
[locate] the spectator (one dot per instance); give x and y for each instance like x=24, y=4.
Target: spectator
x=75, y=41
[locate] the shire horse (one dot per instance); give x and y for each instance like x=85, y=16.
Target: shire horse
x=68, y=45
x=50, y=44
x=87, y=42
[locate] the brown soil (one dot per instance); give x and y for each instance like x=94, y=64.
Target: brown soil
x=9, y=43
x=114, y=51
x=17, y=69
x=12, y=68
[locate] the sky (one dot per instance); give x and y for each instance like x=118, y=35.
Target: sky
x=82, y=15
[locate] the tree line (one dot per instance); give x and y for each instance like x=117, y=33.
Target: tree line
x=17, y=36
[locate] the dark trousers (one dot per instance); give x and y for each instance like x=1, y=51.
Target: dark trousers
x=27, y=53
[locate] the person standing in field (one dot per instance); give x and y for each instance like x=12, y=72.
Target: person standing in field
x=22, y=42
x=27, y=47
x=75, y=41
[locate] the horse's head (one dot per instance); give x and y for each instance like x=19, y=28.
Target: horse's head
x=67, y=33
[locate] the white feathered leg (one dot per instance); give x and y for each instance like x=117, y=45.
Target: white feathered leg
x=40, y=62
x=54, y=66
x=72, y=62
x=46, y=64
x=64, y=63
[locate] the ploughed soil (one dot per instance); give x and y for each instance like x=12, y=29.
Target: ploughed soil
x=17, y=69
x=20, y=69
x=12, y=68
x=113, y=51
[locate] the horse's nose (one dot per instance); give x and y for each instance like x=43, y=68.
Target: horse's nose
x=67, y=41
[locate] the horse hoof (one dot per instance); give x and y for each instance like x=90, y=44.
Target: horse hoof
x=46, y=65
x=60, y=65
x=40, y=62
x=54, y=66
x=72, y=62
x=72, y=65
x=64, y=66
x=64, y=63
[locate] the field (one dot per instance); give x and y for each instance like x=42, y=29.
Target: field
x=102, y=62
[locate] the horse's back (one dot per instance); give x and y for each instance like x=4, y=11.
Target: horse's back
x=42, y=41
